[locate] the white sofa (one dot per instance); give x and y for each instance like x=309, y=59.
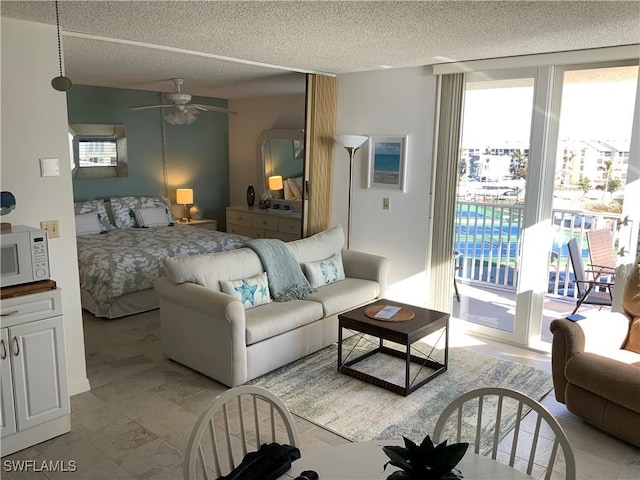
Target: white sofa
x=211, y=332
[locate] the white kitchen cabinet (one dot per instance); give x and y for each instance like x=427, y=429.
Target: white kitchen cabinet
x=35, y=396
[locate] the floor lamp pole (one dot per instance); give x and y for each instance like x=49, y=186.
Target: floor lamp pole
x=352, y=151
x=351, y=143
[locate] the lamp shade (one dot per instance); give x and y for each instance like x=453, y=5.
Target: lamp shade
x=184, y=196
x=275, y=183
x=350, y=141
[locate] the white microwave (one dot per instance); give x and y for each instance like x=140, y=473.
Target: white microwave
x=25, y=255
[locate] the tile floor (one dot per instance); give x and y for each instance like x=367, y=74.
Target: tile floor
x=135, y=421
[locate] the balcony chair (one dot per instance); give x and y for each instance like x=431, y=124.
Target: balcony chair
x=589, y=290
x=466, y=412
x=601, y=253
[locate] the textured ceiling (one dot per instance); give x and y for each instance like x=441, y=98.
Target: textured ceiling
x=163, y=40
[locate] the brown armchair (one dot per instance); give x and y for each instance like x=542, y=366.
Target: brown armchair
x=596, y=364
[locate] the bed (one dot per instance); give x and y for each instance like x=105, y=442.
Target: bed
x=119, y=259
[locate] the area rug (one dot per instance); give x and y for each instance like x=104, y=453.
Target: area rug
x=313, y=389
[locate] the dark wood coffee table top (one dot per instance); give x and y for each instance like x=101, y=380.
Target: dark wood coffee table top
x=422, y=324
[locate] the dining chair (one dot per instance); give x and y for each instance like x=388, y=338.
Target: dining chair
x=533, y=435
x=601, y=252
x=237, y=422
x=588, y=290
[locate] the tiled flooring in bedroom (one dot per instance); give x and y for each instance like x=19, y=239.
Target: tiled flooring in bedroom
x=136, y=420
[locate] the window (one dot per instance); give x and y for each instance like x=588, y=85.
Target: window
x=98, y=151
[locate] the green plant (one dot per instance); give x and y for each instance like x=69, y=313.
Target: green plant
x=425, y=461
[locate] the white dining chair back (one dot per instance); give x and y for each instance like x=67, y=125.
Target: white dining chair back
x=532, y=437
x=237, y=422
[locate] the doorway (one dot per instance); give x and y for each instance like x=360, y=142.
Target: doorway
x=530, y=138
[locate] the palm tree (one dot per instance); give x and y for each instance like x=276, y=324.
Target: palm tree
x=607, y=168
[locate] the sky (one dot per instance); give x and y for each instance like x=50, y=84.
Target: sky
x=590, y=111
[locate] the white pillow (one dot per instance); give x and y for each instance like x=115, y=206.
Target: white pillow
x=325, y=271
x=251, y=291
x=151, y=217
x=295, y=190
x=87, y=223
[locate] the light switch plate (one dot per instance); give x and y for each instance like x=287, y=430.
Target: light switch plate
x=386, y=203
x=49, y=167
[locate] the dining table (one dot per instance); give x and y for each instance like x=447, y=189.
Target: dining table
x=366, y=460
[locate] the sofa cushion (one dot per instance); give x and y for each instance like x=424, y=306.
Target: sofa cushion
x=631, y=292
x=324, y=272
x=319, y=246
x=276, y=318
x=633, y=341
x=616, y=379
x=252, y=292
x=344, y=295
x=209, y=269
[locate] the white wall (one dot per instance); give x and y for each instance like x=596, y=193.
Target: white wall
x=255, y=115
x=34, y=126
x=398, y=102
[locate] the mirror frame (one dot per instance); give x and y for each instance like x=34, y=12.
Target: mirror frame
x=119, y=131
x=277, y=134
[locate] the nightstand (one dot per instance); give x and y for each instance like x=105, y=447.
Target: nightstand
x=208, y=223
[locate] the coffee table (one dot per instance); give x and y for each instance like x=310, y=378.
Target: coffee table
x=405, y=333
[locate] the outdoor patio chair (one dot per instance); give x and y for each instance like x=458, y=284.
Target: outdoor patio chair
x=588, y=290
x=601, y=253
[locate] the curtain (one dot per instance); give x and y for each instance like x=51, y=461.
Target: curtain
x=443, y=191
x=322, y=96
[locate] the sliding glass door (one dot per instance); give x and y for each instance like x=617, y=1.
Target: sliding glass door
x=591, y=171
x=492, y=189
x=532, y=141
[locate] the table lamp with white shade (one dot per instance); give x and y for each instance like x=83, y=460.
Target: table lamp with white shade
x=351, y=143
x=276, y=185
x=184, y=197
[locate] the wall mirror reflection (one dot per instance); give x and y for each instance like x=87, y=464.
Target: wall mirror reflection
x=98, y=150
x=281, y=166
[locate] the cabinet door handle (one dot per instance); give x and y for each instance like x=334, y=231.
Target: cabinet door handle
x=17, y=351
x=3, y=355
x=8, y=314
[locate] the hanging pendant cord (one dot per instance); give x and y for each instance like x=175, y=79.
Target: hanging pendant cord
x=59, y=48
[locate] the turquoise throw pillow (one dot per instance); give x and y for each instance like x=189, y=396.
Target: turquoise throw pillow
x=325, y=271
x=251, y=291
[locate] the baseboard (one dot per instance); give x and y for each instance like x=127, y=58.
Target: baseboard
x=79, y=387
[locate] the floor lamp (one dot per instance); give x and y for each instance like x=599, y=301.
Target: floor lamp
x=351, y=143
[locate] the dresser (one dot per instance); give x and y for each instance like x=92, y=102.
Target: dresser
x=257, y=223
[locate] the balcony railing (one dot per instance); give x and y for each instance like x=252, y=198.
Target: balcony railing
x=488, y=236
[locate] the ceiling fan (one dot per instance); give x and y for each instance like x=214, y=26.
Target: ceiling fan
x=181, y=110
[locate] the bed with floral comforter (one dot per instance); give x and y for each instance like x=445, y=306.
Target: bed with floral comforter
x=122, y=261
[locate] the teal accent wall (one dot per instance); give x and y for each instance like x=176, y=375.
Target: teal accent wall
x=197, y=155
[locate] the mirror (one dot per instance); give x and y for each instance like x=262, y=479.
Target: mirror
x=281, y=166
x=98, y=151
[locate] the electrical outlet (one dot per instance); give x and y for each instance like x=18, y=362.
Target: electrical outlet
x=52, y=227
x=386, y=204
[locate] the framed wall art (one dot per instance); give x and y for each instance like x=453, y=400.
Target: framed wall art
x=387, y=162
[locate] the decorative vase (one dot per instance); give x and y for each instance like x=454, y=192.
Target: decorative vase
x=195, y=212
x=251, y=196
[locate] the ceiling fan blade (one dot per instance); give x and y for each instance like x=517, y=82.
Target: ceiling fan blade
x=211, y=108
x=142, y=107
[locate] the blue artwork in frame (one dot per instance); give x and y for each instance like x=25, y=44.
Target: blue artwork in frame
x=387, y=162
